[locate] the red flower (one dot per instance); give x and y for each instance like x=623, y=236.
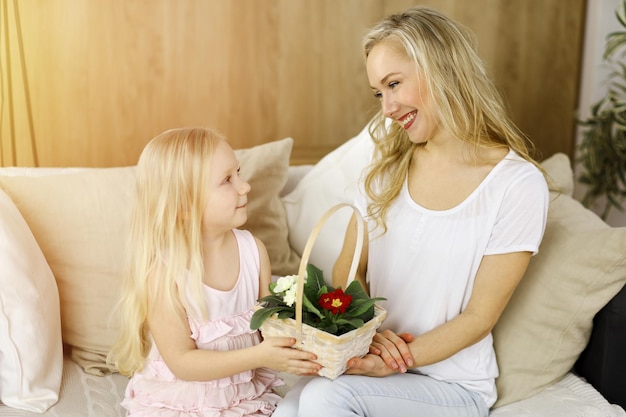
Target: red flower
x=335, y=301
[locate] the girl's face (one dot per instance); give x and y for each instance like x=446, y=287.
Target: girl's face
x=402, y=93
x=227, y=192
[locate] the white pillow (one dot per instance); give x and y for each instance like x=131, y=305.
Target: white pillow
x=331, y=181
x=31, y=351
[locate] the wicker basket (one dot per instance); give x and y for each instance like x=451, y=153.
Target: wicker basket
x=333, y=352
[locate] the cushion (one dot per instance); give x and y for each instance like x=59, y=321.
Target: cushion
x=580, y=266
x=80, y=221
x=31, y=351
x=265, y=167
x=331, y=181
x=560, y=173
x=570, y=397
x=603, y=362
x=83, y=227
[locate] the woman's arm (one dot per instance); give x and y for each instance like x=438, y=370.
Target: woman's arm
x=497, y=278
x=342, y=266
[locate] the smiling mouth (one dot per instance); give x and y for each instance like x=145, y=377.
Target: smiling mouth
x=408, y=119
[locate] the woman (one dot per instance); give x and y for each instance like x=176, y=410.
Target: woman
x=455, y=207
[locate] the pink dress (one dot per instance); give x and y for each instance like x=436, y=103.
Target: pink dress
x=155, y=391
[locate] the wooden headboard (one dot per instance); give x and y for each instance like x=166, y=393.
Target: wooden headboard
x=88, y=83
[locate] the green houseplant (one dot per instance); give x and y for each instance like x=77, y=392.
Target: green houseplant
x=325, y=308
x=603, y=146
x=335, y=325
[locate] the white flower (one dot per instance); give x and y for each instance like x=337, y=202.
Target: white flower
x=290, y=296
x=285, y=283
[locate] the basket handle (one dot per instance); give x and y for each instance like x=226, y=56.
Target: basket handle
x=306, y=253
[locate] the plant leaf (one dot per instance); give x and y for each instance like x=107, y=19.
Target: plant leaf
x=311, y=307
x=263, y=314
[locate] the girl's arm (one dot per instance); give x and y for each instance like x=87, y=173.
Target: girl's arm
x=265, y=275
x=172, y=335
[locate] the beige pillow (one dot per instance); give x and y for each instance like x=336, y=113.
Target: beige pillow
x=580, y=266
x=81, y=220
x=560, y=173
x=266, y=167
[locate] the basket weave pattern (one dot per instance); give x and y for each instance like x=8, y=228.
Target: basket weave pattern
x=333, y=352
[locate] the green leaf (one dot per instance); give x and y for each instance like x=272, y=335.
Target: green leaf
x=286, y=314
x=354, y=323
x=614, y=42
x=308, y=305
x=272, y=301
x=314, y=282
x=361, y=307
x=331, y=328
x=315, y=277
x=263, y=314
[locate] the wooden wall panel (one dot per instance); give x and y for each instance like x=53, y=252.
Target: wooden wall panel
x=105, y=76
x=533, y=51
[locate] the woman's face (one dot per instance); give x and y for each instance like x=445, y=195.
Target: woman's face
x=402, y=93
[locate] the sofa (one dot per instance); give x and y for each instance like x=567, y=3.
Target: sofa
x=560, y=342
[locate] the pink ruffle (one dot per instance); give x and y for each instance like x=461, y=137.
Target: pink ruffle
x=207, y=332
x=155, y=391
x=151, y=397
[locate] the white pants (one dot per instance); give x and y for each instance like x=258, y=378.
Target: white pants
x=399, y=395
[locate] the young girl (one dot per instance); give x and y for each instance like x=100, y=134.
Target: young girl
x=456, y=207
x=190, y=287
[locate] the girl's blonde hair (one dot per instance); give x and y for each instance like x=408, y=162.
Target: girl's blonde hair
x=468, y=103
x=165, y=236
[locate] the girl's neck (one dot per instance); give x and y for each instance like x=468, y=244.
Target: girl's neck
x=213, y=241
x=220, y=256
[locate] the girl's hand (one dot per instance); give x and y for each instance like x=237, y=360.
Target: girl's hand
x=393, y=349
x=277, y=353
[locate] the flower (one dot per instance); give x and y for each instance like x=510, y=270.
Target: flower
x=285, y=283
x=332, y=310
x=287, y=286
x=335, y=301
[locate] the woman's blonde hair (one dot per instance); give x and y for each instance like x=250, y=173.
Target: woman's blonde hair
x=165, y=236
x=468, y=104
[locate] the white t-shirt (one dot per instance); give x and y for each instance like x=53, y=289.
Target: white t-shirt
x=426, y=262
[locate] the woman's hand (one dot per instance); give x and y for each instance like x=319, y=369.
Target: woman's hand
x=389, y=354
x=393, y=349
x=277, y=353
x=370, y=365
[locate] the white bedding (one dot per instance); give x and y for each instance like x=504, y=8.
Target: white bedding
x=570, y=397
x=82, y=395
x=85, y=395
